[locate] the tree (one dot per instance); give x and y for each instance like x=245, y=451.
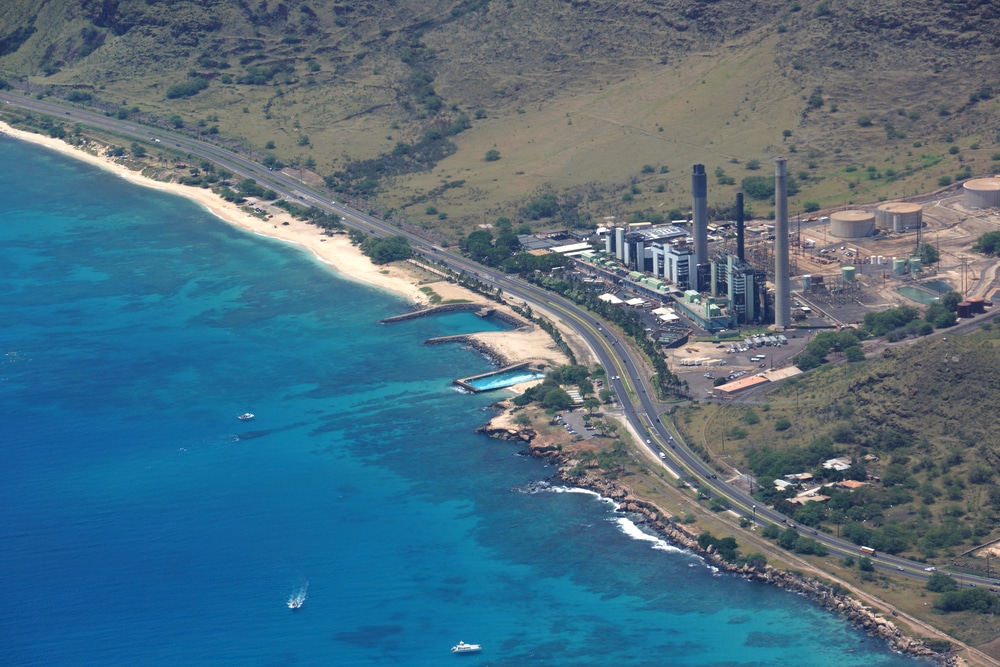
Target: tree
x=492, y=155
x=788, y=539
x=188, y=88
x=591, y=404
x=557, y=398
x=758, y=187
x=927, y=253
x=385, y=250
x=988, y=243
x=522, y=419
x=939, y=582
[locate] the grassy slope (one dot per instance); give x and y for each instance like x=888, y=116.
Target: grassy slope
x=575, y=93
x=932, y=392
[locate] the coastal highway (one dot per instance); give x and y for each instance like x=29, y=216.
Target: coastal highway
x=614, y=354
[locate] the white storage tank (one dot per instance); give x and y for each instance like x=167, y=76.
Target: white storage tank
x=982, y=193
x=852, y=224
x=899, y=216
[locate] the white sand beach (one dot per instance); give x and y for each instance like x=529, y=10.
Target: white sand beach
x=334, y=250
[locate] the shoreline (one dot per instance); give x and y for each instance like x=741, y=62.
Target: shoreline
x=337, y=253
x=666, y=526
x=332, y=250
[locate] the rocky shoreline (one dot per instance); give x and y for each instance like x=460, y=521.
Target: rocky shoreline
x=853, y=610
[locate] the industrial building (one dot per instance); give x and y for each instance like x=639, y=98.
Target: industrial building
x=641, y=246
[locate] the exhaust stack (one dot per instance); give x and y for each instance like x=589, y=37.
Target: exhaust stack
x=699, y=193
x=739, y=227
x=782, y=308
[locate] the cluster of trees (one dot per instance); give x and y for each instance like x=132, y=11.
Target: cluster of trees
x=761, y=188
x=250, y=188
x=988, y=243
x=261, y=75
x=791, y=540
x=505, y=250
x=953, y=598
x=382, y=250
x=245, y=188
x=482, y=247
x=564, y=209
x=897, y=323
x=887, y=321
x=769, y=463
x=847, y=341
x=192, y=86
x=550, y=394
x=361, y=177
x=729, y=550
x=316, y=216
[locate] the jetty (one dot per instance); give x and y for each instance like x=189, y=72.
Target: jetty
x=480, y=309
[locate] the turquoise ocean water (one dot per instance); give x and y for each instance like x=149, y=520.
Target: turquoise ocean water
x=142, y=524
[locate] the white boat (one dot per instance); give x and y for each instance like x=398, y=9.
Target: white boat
x=246, y=416
x=462, y=647
x=296, y=600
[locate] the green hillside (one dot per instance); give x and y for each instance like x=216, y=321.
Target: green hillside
x=917, y=426
x=606, y=104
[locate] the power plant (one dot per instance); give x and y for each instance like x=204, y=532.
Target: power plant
x=744, y=279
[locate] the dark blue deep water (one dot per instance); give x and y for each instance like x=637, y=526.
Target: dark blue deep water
x=142, y=524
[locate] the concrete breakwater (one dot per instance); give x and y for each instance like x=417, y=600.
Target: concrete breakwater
x=677, y=534
x=495, y=357
x=481, y=309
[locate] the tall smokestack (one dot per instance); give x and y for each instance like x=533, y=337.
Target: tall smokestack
x=782, y=309
x=739, y=226
x=699, y=192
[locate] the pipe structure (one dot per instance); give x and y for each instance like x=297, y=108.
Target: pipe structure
x=739, y=227
x=782, y=307
x=699, y=194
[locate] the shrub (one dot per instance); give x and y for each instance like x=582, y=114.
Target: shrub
x=865, y=121
x=188, y=88
x=492, y=155
x=939, y=582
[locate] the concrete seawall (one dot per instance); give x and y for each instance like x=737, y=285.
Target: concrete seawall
x=480, y=309
x=466, y=383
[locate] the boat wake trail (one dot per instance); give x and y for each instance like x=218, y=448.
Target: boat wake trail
x=296, y=600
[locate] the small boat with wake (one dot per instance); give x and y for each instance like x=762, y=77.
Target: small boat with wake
x=245, y=417
x=462, y=647
x=298, y=599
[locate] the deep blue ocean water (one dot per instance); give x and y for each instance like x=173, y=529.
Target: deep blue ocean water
x=142, y=524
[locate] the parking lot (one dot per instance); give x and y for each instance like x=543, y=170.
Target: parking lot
x=700, y=364
x=572, y=420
